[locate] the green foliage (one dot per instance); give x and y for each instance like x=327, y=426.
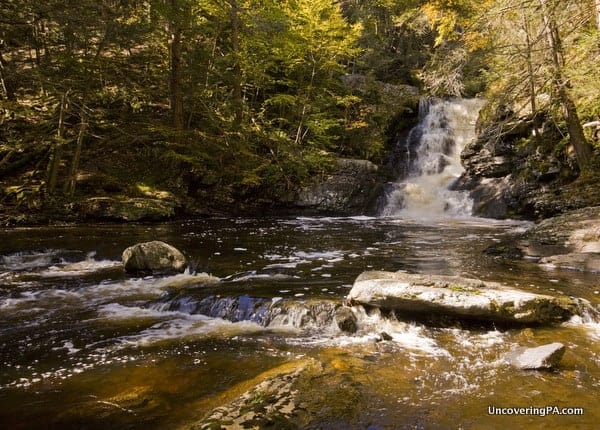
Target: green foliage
x=266, y=105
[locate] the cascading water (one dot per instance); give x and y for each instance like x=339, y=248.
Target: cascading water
x=444, y=128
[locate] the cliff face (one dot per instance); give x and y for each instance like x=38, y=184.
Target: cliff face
x=513, y=172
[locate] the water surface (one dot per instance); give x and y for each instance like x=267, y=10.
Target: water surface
x=83, y=345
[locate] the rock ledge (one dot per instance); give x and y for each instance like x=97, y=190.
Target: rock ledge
x=461, y=298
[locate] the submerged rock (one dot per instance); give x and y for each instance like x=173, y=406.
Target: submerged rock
x=504, y=250
x=153, y=257
x=461, y=298
x=268, y=400
x=542, y=357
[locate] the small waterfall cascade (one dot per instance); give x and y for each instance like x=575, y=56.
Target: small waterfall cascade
x=444, y=128
x=271, y=313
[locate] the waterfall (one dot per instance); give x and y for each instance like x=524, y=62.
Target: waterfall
x=444, y=127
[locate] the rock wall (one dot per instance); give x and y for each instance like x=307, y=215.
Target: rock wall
x=512, y=174
x=351, y=188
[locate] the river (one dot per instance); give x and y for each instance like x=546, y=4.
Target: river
x=83, y=345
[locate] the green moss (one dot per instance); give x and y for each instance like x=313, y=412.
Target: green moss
x=463, y=289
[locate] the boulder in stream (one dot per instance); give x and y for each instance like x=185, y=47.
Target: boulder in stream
x=153, y=257
x=456, y=297
x=542, y=357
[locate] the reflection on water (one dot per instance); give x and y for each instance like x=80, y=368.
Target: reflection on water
x=82, y=345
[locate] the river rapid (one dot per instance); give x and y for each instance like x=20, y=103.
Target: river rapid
x=83, y=345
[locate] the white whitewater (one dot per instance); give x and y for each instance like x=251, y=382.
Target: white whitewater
x=445, y=127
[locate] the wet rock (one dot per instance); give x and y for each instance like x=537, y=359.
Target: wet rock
x=383, y=336
x=309, y=314
x=570, y=240
x=542, y=357
x=346, y=320
x=127, y=209
x=353, y=187
x=575, y=231
x=461, y=298
x=153, y=257
x=587, y=262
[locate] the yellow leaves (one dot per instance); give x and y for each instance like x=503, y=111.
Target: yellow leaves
x=445, y=20
x=357, y=125
x=347, y=100
x=475, y=40
x=431, y=12
x=457, y=20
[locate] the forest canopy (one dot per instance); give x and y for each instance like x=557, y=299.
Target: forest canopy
x=248, y=99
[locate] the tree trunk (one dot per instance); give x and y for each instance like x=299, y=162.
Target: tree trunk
x=6, y=89
x=56, y=157
x=583, y=149
x=175, y=80
x=70, y=188
x=299, y=134
x=238, y=105
x=531, y=76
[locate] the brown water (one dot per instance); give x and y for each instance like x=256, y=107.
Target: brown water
x=82, y=345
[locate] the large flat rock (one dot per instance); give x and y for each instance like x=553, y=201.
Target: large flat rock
x=463, y=298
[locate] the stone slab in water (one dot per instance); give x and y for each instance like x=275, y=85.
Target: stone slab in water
x=462, y=298
x=542, y=357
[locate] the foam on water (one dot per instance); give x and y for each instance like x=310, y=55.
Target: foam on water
x=188, y=327
x=19, y=261
x=299, y=257
x=588, y=319
x=79, y=268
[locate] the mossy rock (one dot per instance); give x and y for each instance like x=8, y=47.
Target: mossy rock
x=153, y=257
x=127, y=209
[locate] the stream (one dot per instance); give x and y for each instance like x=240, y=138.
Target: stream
x=83, y=345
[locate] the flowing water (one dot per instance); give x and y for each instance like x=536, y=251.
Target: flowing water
x=83, y=345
